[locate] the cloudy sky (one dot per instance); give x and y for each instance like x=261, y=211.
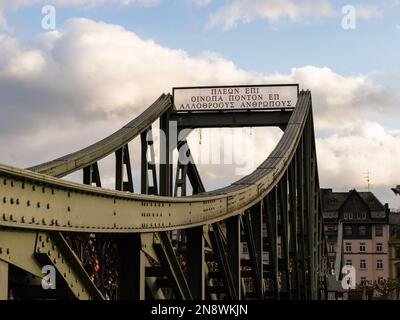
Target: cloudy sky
x=107, y=60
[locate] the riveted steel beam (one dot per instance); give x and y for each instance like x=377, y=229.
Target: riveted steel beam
x=220, y=251
x=192, y=120
x=233, y=252
x=165, y=252
x=52, y=249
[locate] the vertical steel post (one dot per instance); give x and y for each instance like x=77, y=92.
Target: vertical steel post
x=293, y=220
x=196, y=262
x=132, y=267
x=234, y=258
x=166, y=166
x=283, y=210
x=272, y=227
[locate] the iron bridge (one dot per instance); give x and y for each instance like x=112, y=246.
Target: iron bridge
x=162, y=243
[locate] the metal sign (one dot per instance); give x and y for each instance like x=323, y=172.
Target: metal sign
x=236, y=97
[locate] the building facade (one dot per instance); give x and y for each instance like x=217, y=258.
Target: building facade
x=394, y=246
x=364, y=234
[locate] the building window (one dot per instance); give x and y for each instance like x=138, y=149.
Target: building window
x=363, y=280
x=379, y=247
x=348, y=247
x=363, y=264
x=349, y=263
x=379, y=264
x=379, y=230
x=364, y=215
x=331, y=248
x=348, y=231
x=362, y=230
x=362, y=246
x=397, y=254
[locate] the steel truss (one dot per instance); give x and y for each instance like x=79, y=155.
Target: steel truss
x=116, y=245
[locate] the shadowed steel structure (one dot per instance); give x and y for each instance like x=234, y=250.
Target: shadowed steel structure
x=107, y=244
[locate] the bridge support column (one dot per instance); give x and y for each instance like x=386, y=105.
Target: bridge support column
x=196, y=262
x=284, y=232
x=294, y=247
x=132, y=264
x=4, y=271
x=272, y=226
x=148, y=165
x=166, y=166
x=233, y=240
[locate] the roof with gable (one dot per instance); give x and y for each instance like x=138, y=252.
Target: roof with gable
x=334, y=201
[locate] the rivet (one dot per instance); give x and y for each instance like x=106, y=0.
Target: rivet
x=11, y=217
x=33, y=219
x=28, y=203
x=12, y=183
x=4, y=200
x=4, y=217
x=43, y=221
x=12, y=201
x=48, y=206
x=8, y=251
x=38, y=204
x=17, y=201
x=69, y=209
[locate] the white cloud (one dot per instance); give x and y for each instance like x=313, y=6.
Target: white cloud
x=73, y=87
x=201, y=3
x=273, y=10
